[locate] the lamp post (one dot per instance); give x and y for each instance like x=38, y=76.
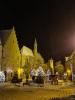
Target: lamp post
x=71, y=71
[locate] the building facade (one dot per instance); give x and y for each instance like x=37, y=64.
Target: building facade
x=10, y=50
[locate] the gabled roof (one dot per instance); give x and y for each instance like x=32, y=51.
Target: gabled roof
x=26, y=51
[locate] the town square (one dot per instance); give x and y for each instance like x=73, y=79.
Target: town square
x=37, y=50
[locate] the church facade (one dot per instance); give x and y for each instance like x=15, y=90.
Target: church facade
x=70, y=65
x=10, y=59
x=32, y=56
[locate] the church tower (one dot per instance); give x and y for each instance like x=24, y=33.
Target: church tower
x=35, y=47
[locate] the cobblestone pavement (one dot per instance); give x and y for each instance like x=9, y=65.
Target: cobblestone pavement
x=9, y=91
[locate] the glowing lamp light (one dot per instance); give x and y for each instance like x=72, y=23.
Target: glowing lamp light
x=20, y=71
x=69, y=72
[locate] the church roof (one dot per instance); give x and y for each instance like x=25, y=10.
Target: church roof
x=26, y=51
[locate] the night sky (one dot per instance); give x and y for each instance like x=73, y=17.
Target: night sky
x=52, y=22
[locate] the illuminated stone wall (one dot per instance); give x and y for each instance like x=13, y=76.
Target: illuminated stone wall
x=34, y=57
x=11, y=52
x=26, y=54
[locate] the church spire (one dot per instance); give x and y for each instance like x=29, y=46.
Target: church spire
x=35, y=47
x=13, y=29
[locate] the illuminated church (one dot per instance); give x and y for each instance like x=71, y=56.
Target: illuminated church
x=11, y=57
x=10, y=50
x=33, y=57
